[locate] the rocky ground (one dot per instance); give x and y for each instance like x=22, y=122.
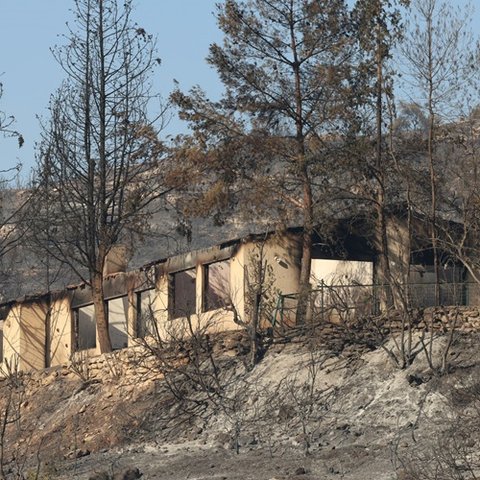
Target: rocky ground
x=306, y=411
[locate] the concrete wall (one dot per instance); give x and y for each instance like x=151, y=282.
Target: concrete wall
x=341, y=272
x=11, y=335
x=472, y=293
x=213, y=320
x=237, y=279
x=281, y=256
x=33, y=339
x=25, y=332
x=117, y=260
x=398, y=248
x=61, y=330
x=24, y=335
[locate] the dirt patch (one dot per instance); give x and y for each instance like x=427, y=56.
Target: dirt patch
x=303, y=412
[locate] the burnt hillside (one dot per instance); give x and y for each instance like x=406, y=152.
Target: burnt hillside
x=308, y=410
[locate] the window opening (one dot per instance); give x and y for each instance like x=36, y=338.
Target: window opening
x=85, y=328
x=217, y=285
x=183, y=293
x=146, y=313
x=117, y=310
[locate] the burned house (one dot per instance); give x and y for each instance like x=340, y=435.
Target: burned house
x=209, y=288
x=199, y=289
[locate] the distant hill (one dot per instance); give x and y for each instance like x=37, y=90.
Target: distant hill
x=25, y=271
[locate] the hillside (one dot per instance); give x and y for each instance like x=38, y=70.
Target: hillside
x=309, y=410
x=25, y=270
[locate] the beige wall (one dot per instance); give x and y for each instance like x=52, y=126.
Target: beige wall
x=237, y=280
x=281, y=254
x=473, y=289
x=132, y=317
x=61, y=331
x=117, y=260
x=215, y=320
x=398, y=248
x=11, y=335
x=24, y=329
x=24, y=335
x=341, y=272
x=32, y=340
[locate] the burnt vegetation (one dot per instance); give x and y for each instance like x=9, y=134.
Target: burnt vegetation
x=316, y=129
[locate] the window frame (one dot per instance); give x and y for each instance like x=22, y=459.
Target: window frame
x=205, y=297
x=140, y=327
x=173, y=314
x=76, y=328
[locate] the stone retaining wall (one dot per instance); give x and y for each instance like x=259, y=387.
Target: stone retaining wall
x=140, y=362
x=463, y=318
x=120, y=365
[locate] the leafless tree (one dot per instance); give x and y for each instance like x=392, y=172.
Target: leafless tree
x=6, y=129
x=100, y=157
x=259, y=300
x=14, y=384
x=12, y=202
x=441, y=59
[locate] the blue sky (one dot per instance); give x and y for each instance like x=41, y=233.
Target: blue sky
x=28, y=28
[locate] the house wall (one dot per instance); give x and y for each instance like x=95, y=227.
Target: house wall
x=398, y=248
x=281, y=254
x=472, y=289
x=25, y=332
x=11, y=334
x=61, y=331
x=24, y=335
x=117, y=260
x=237, y=279
x=132, y=317
x=32, y=338
x=211, y=321
x=341, y=272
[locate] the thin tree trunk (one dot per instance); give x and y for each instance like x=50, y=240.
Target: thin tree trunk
x=380, y=200
x=101, y=313
x=306, y=263
x=253, y=329
x=431, y=162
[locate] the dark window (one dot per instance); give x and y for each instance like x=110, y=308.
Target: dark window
x=217, y=285
x=184, y=293
x=146, y=313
